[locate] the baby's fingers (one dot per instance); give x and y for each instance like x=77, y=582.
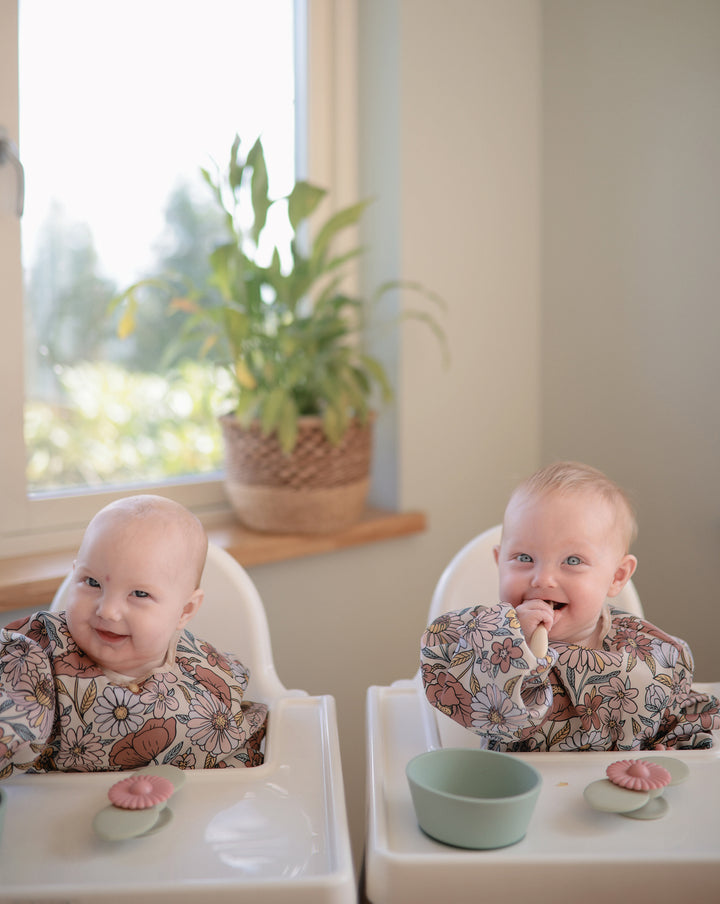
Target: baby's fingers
x=536, y=612
x=532, y=615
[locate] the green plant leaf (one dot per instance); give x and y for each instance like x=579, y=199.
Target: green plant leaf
x=411, y=285
x=207, y=343
x=235, y=168
x=246, y=406
x=334, y=424
x=127, y=323
x=298, y=336
x=378, y=373
x=287, y=429
x=258, y=189
x=414, y=314
x=341, y=259
x=435, y=328
x=228, y=263
x=272, y=409
x=130, y=299
x=354, y=389
x=344, y=218
x=214, y=186
x=302, y=202
x=362, y=379
x=236, y=326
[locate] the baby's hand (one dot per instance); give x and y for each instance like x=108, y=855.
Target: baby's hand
x=532, y=613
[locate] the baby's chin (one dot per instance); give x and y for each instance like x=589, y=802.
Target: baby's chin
x=580, y=635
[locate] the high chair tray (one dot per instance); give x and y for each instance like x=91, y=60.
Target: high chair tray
x=570, y=851
x=273, y=833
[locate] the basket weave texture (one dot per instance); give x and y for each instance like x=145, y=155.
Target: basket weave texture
x=317, y=488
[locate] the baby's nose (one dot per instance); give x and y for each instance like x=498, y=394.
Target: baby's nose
x=543, y=576
x=108, y=607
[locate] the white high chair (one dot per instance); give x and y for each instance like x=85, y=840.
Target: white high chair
x=273, y=833
x=568, y=845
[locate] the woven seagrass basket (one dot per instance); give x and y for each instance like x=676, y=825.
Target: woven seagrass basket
x=317, y=488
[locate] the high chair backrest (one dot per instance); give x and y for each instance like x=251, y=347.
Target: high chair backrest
x=232, y=618
x=471, y=578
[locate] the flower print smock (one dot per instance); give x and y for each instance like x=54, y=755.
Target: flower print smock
x=634, y=693
x=59, y=711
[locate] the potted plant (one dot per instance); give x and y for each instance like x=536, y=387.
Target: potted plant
x=299, y=437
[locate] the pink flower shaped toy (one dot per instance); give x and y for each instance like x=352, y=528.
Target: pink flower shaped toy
x=139, y=804
x=634, y=788
x=140, y=792
x=638, y=775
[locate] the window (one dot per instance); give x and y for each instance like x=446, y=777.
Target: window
x=106, y=227
x=120, y=198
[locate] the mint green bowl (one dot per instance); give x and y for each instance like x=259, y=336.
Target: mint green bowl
x=473, y=798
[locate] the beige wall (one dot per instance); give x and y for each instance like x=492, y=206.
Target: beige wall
x=631, y=260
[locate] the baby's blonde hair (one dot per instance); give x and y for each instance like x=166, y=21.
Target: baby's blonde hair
x=573, y=476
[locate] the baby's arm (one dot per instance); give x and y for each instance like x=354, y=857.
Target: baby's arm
x=477, y=668
x=692, y=716
x=27, y=701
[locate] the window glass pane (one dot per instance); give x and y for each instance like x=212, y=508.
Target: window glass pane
x=121, y=104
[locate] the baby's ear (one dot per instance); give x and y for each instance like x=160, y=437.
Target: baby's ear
x=623, y=573
x=191, y=607
x=496, y=553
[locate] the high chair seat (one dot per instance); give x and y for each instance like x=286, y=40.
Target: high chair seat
x=274, y=833
x=569, y=849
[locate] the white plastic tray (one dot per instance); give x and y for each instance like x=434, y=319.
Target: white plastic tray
x=274, y=833
x=570, y=852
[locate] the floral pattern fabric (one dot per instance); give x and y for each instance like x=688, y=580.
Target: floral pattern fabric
x=632, y=694
x=60, y=712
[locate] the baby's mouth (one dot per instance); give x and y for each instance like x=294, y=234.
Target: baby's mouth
x=109, y=636
x=555, y=606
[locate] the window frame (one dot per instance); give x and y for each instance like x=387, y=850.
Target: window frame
x=327, y=154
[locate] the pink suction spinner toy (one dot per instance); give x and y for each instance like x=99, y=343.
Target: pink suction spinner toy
x=634, y=788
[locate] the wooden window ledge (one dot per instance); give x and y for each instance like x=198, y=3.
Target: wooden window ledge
x=31, y=581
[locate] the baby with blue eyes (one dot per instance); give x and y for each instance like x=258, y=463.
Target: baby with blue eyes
x=135, y=583
x=607, y=680
x=116, y=680
x=564, y=549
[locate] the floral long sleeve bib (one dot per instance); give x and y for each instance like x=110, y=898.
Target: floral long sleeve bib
x=59, y=711
x=633, y=693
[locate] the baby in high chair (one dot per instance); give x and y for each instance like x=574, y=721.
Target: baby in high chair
x=116, y=681
x=608, y=680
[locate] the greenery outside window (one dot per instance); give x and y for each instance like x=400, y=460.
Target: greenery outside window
x=61, y=360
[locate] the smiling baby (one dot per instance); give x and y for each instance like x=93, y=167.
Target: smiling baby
x=608, y=680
